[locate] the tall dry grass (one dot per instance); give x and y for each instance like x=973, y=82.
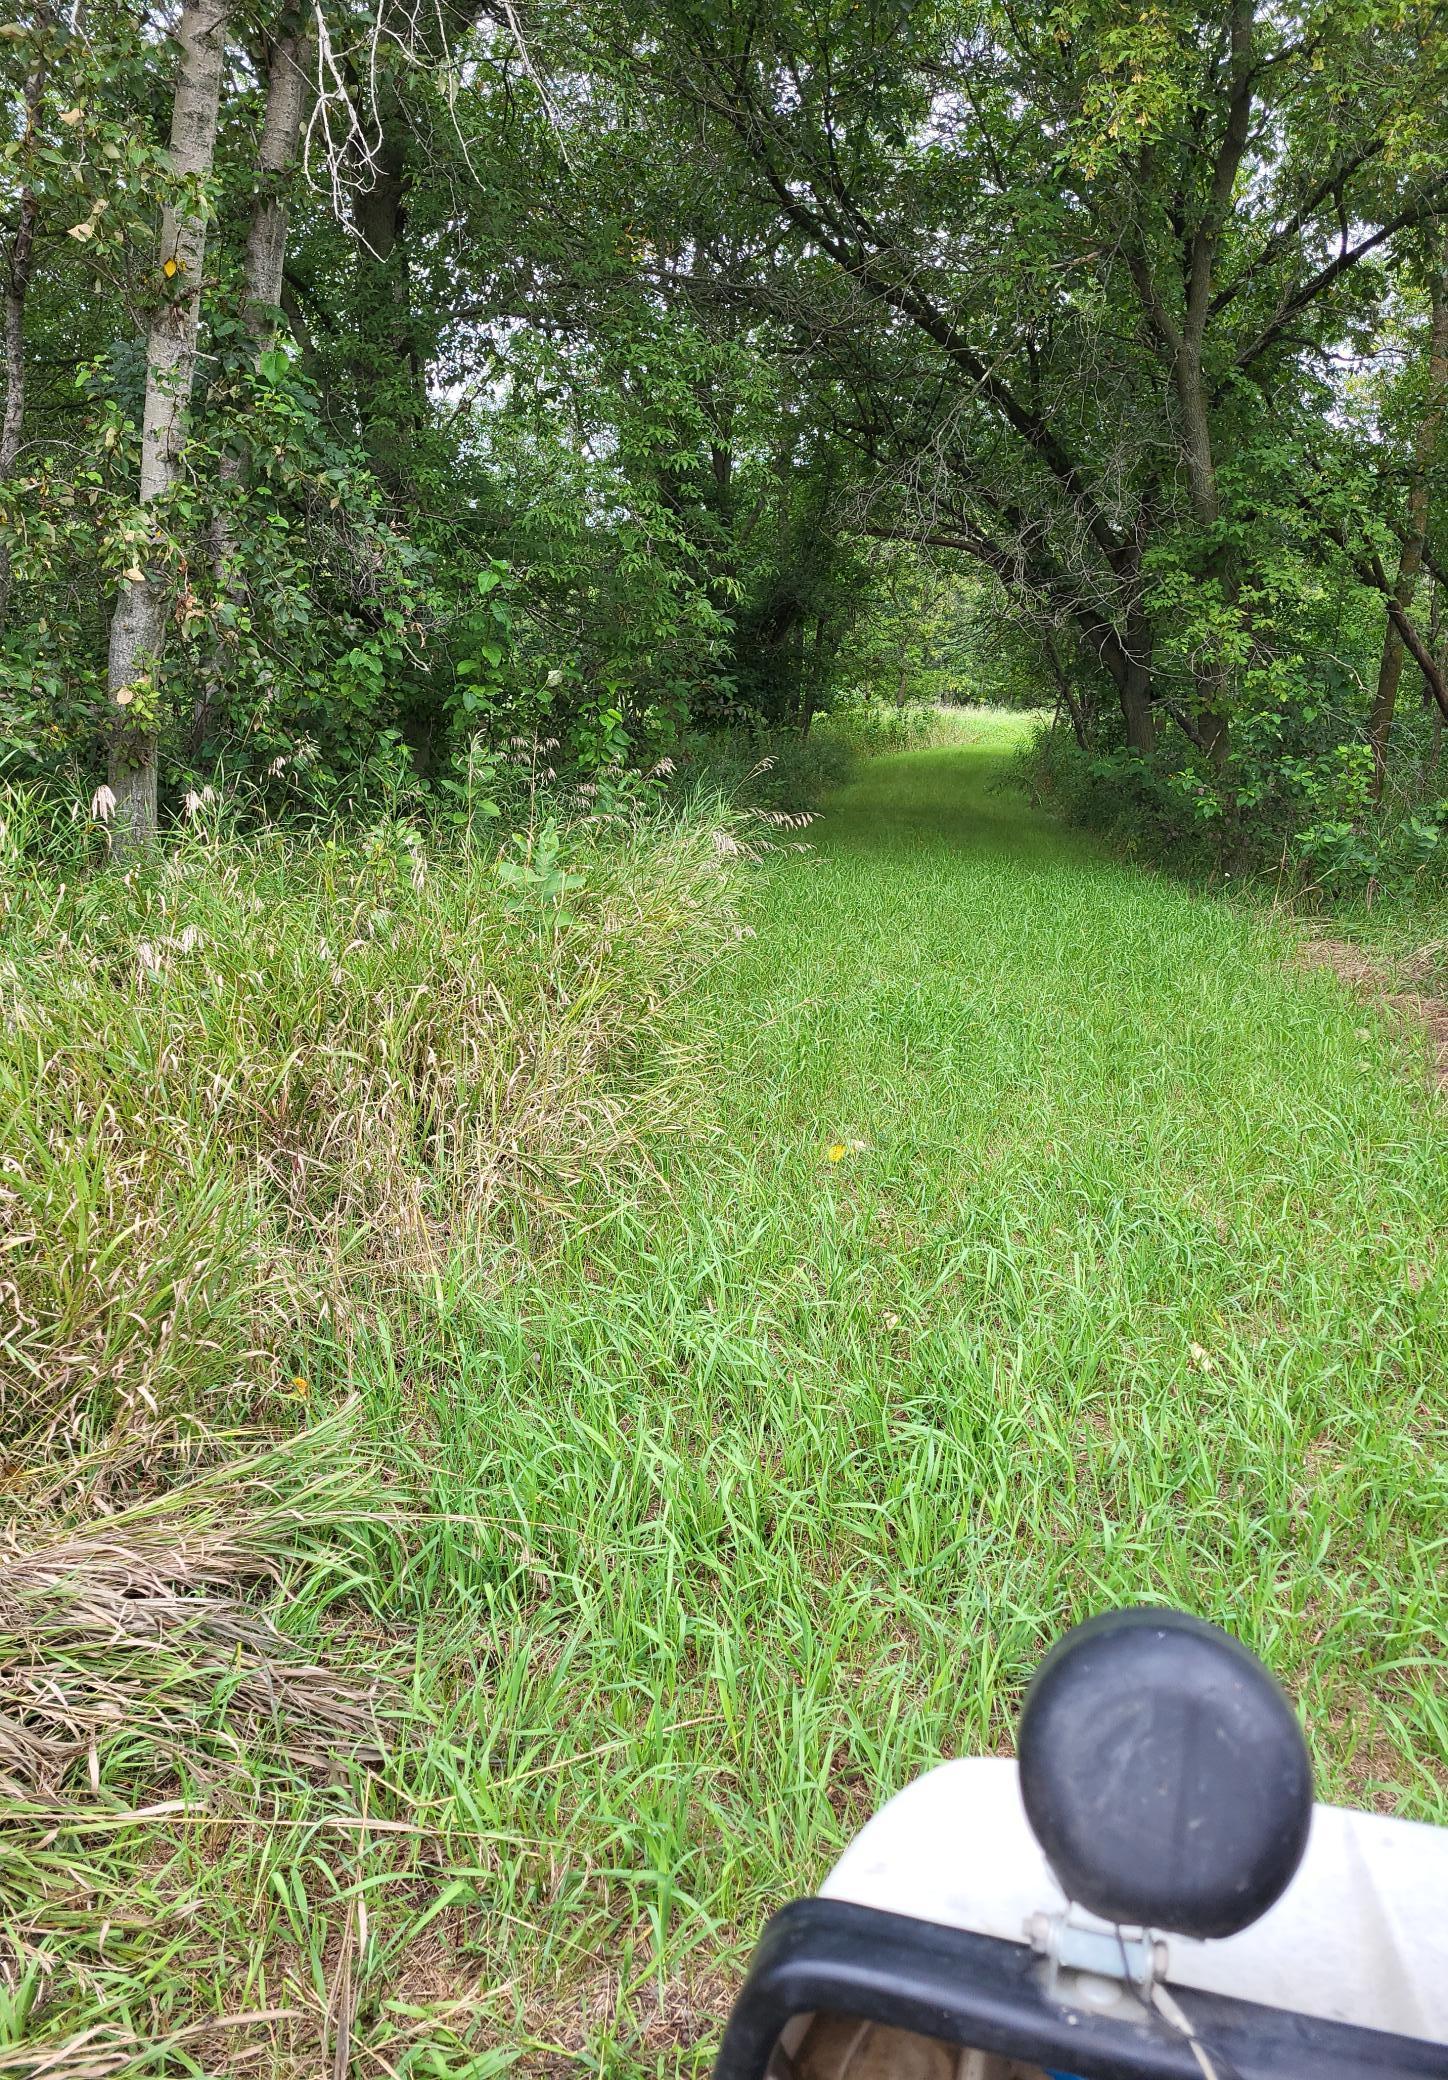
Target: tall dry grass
x=133, y=1624
x=259, y=1078
x=253, y=1094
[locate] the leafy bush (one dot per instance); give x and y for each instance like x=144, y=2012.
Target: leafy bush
x=1310, y=817
x=1138, y=807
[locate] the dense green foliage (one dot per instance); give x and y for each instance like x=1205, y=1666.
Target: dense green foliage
x=634, y=371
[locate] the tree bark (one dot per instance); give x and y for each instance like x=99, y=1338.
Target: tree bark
x=138, y=625
x=1435, y=742
x=1370, y=570
x=1131, y=676
x=385, y=362
x=1136, y=693
x=266, y=252
x=388, y=341
x=1136, y=707
x=288, y=73
x=19, y=269
x=1213, y=688
x=1435, y=680
x=1410, y=556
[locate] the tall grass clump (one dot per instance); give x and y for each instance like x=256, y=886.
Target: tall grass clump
x=266, y=1098
x=258, y=1075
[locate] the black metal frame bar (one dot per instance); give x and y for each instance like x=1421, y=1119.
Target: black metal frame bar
x=978, y=1991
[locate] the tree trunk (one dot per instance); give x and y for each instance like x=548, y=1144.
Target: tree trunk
x=1136, y=707
x=1196, y=437
x=385, y=362
x=1184, y=343
x=19, y=267
x=288, y=73
x=1213, y=689
x=17, y=284
x=266, y=251
x=806, y=674
x=1136, y=692
x=1435, y=682
x=1065, y=695
x=138, y=625
x=1410, y=558
x=1435, y=741
x=1131, y=676
x=388, y=344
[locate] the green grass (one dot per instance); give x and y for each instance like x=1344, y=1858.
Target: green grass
x=735, y=1501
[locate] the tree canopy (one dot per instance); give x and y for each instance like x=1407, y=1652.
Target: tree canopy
x=383, y=381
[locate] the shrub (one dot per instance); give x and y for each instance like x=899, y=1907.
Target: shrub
x=1137, y=806
x=1317, y=824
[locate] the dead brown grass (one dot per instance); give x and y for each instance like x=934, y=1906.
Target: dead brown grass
x=1379, y=981
x=145, y=1622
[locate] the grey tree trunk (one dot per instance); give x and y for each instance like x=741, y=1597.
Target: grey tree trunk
x=1131, y=676
x=17, y=284
x=288, y=73
x=288, y=68
x=1435, y=742
x=138, y=624
x=1213, y=688
x=386, y=364
x=1410, y=559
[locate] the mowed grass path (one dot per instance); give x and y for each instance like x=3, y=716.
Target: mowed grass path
x=752, y=1493
x=1134, y=1289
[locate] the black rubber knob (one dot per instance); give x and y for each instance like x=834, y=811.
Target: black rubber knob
x=1164, y=1774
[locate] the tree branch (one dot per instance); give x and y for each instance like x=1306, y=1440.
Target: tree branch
x=1433, y=203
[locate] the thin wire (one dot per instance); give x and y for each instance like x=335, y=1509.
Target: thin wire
x=1156, y=1995
x=1171, y=2009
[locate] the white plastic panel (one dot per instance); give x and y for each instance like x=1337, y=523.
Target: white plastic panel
x=1360, y=1935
